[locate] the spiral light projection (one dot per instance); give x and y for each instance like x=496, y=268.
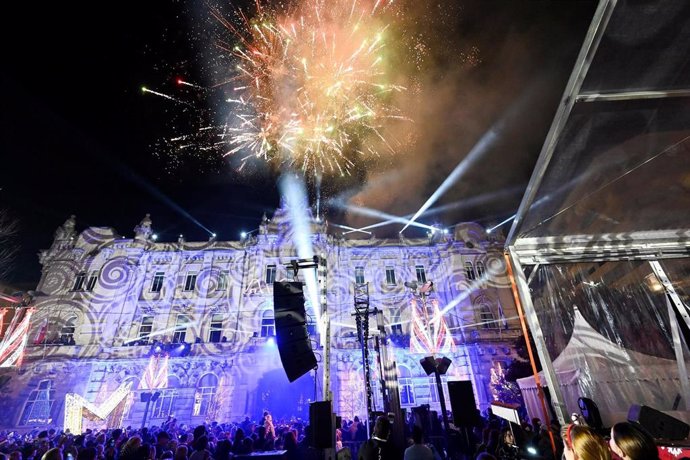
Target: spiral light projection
x=311, y=85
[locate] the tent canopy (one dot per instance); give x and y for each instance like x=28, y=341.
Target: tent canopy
x=616, y=163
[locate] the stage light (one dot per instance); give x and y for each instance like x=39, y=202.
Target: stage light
x=243, y=235
x=532, y=451
x=154, y=237
x=445, y=231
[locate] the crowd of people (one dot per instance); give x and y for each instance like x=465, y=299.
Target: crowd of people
x=494, y=439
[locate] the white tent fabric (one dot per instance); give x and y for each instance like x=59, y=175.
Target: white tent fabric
x=613, y=377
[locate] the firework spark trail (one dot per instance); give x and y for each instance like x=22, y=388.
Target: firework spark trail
x=311, y=85
x=146, y=90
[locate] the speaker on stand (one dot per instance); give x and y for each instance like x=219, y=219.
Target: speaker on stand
x=292, y=336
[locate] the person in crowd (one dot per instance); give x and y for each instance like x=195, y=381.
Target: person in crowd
x=630, y=441
x=162, y=441
x=181, y=453
x=507, y=450
x=53, y=454
x=582, y=443
x=377, y=447
x=338, y=439
x=130, y=448
x=201, y=451
x=418, y=451
x=290, y=445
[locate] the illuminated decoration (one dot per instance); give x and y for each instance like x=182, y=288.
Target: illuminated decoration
x=312, y=83
x=14, y=341
x=156, y=374
x=76, y=407
x=430, y=334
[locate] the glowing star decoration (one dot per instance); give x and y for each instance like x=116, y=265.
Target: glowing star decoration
x=76, y=407
x=312, y=89
x=156, y=374
x=16, y=336
x=430, y=334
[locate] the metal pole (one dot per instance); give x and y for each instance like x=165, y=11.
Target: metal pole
x=525, y=301
x=672, y=295
x=146, y=409
x=442, y=399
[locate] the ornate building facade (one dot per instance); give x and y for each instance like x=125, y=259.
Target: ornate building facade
x=193, y=321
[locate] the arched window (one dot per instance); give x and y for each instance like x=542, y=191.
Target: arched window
x=67, y=330
x=205, y=394
x=37, y=410
x=406, y=386
x=268, y=324
x=165, y=404
x=486, y=317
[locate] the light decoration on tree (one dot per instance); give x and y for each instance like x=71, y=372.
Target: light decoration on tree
x=430, y=334
x=156, y=374
x=14, y=341
x=76, y=407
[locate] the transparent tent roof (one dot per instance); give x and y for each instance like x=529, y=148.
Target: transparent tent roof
x=617, y=158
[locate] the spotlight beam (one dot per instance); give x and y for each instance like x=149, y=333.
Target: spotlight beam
x=350, y=229
x=368, y=212
x=477, y=151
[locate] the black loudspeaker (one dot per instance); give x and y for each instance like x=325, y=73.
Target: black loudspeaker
x=443, y=364
x=658, y=424
x=462, y=403
x=321, y=422
x=428, y=364
x=291, y=330
x=590, y=412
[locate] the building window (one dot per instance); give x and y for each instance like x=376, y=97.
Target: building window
x=421, y=274
x=145, y=329
x=270, y=274
x=92, y=281
x=190, y=282
x=67, y=330
x=223, y=280
x=390, y=276
x=79, y=282
x=469, y=271
x=164, y=405
x=205, y=394
x=290, y=274
x=268, y=324
x=486, y=317
x=180, y=329
x=480, y=270
x=359, y=275
x=406, y=387
x=216, y=328
x=39, y=405
x=157, y=283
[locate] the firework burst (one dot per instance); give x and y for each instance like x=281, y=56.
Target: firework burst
x=312, y=88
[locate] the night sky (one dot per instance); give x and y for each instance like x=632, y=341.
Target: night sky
x=79, y=137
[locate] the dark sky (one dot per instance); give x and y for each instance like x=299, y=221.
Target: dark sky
x=78, y=136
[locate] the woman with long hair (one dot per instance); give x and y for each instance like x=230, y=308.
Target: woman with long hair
x=582, y=443
x=631, y=442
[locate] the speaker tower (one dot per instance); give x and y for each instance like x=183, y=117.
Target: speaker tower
x=291, y=329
